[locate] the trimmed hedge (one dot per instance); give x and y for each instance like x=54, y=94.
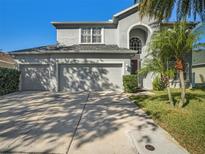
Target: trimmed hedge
x=9, y=80
x=130, y=83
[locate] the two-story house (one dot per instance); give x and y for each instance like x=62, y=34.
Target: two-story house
x=89, y=55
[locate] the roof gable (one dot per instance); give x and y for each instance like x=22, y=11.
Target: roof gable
x=126, y=12
x=109, y=24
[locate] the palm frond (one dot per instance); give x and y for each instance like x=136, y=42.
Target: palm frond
x=162, y=9
x=168, y=45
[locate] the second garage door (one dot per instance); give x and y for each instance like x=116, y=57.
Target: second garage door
x=34, y=77
x=92, y=77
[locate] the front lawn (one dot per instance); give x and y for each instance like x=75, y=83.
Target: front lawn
x=186, y=125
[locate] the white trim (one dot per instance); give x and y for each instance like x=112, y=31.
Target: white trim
x=27, y=63
x=57, y=75
x=79, y=41
x=91, y=38
x=102, y=36
x=199, y=64
x=20, y=78
x=142, y=43
x=80, y=63
x=7, y=62
x=138, y=24
x=133, y=6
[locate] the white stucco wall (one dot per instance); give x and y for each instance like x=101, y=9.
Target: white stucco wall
x=125, y=25
x=199, y=74
x=110, y=36
x=72, y=36
x=68, y=36
x=116, y=36
x=53, y=60
x=129, y=24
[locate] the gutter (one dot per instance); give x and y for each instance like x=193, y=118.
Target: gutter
x=61, y=25
x=200, y=64
x=7, y=62
x=75, y=52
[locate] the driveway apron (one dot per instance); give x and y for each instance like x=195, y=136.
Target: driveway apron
x=81, y=123
x=39, y=122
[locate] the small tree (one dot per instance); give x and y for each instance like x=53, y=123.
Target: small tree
x=174, y=44
x=156, y=64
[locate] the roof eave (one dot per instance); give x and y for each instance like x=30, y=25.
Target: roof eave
x=12, y=63
x=126, y=10
x=199, y=64
x=173, y=23
x=82, y=24
x=112, y=23
x=125, y=51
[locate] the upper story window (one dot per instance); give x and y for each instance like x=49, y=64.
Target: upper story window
x=136, y=44
x=96, y=35
x=85, y=35
x=91, y=35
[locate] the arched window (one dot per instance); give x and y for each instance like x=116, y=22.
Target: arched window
x=136, y=44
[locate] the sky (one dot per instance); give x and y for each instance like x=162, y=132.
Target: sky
x=27, y=23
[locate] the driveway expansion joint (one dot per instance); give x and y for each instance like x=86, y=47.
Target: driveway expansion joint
x=75, y=131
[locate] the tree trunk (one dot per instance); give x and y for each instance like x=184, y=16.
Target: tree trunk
x=170, y=96
x=183, y=89
x=166, y=81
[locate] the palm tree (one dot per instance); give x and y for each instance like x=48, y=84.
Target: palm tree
x=157, y=66
x=156, y=63
x=162, y=9
x=175, y=44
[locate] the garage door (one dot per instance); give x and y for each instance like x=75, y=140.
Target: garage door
x=35, y=77
x=92, y=77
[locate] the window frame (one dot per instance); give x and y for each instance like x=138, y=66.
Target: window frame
x=91, y=28
x=135, y=37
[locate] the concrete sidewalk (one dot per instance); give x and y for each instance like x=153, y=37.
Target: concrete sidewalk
x=84, y=123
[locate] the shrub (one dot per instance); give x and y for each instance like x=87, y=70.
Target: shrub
x=9, y=80
x=130, y=83
x=158, y=84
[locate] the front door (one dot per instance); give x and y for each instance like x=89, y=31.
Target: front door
x=134, y=66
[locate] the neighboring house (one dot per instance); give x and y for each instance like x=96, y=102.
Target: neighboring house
x=198, y=68
x=89, y=55
x=6, y=61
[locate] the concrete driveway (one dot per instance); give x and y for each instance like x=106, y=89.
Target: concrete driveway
x=84, y=123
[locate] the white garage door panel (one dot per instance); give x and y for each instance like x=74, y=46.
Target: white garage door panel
x=35, y=77
x=81, y=77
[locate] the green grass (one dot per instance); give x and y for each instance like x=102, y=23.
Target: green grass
x=186, y=125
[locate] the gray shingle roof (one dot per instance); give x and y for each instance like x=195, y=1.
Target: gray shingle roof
x=82, y=48
x=6, y=58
